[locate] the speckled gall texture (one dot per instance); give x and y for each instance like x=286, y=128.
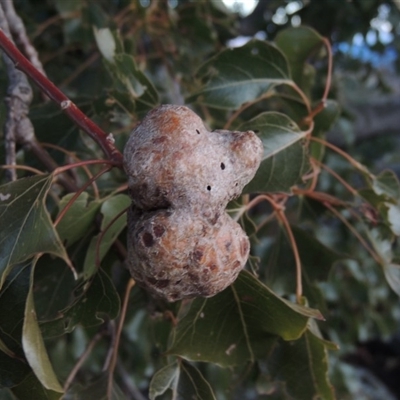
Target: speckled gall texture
x=181, y=176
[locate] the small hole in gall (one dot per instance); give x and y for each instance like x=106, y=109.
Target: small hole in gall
x=222, y=166
x=208, y=187
x=198, y=132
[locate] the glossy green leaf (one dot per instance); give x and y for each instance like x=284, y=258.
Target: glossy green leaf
x=239, y=324
x=31, y=388
x=78, y=219
x=303, y=367
x=95, y=300
x=26, y=227
x=236, y=76
x=285, y=158
x=298, y=44
x=34, y=348
x=109, y=209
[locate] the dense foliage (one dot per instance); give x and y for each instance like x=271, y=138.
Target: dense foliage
x=324, y=270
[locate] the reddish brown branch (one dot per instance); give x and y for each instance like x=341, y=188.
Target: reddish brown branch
x=86, y=124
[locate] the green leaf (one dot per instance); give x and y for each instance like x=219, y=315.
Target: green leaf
x=26, y=227
x=34, y=348
x=285, y=158
x=96, y=299
x=12, y=307
x=298, y=44
x=13, y=371
x=387, y=184
x=316, y=258
x=386, y=188
x=184, y=380
x=78, y=218
x=13, y=367
x=96, y=389
x=54, y=287
x=393, y=217
x=164, y=379
x=323, y=122
x=31, y=388
x=128, y=79
x=303, y=366
x=192, y=384
x=239, y=324
x=236, y=76
x=105, y=42
x=382, y=241
x=109, y=209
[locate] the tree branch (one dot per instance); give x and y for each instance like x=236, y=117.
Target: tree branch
x=18, y=31
x=106, y=142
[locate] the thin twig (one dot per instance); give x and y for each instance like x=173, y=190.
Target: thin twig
x=23, y=167
x=103, y=232
x=282, y=217
x=336, y=149
x=78, y=193
x=77, y=159
x=104, y=140
x=129, y=286
x=82, y=359
x=51, y=165
x=330, y=66
x=337, y=176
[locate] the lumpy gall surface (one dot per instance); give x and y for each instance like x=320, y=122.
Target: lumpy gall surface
x=181, y=242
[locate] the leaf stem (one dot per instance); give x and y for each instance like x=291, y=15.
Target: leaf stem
x=23, y=167
x=281, y=215
x=64, y=168
x=131, y=283
x=337, y=176
x=279, y=211
x=336, y=149
x=55, y=94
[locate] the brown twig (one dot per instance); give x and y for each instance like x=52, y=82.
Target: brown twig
x=101, y=236
x=96, y=338
x=113, y=361
x=105, y=141
x=78, y=193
